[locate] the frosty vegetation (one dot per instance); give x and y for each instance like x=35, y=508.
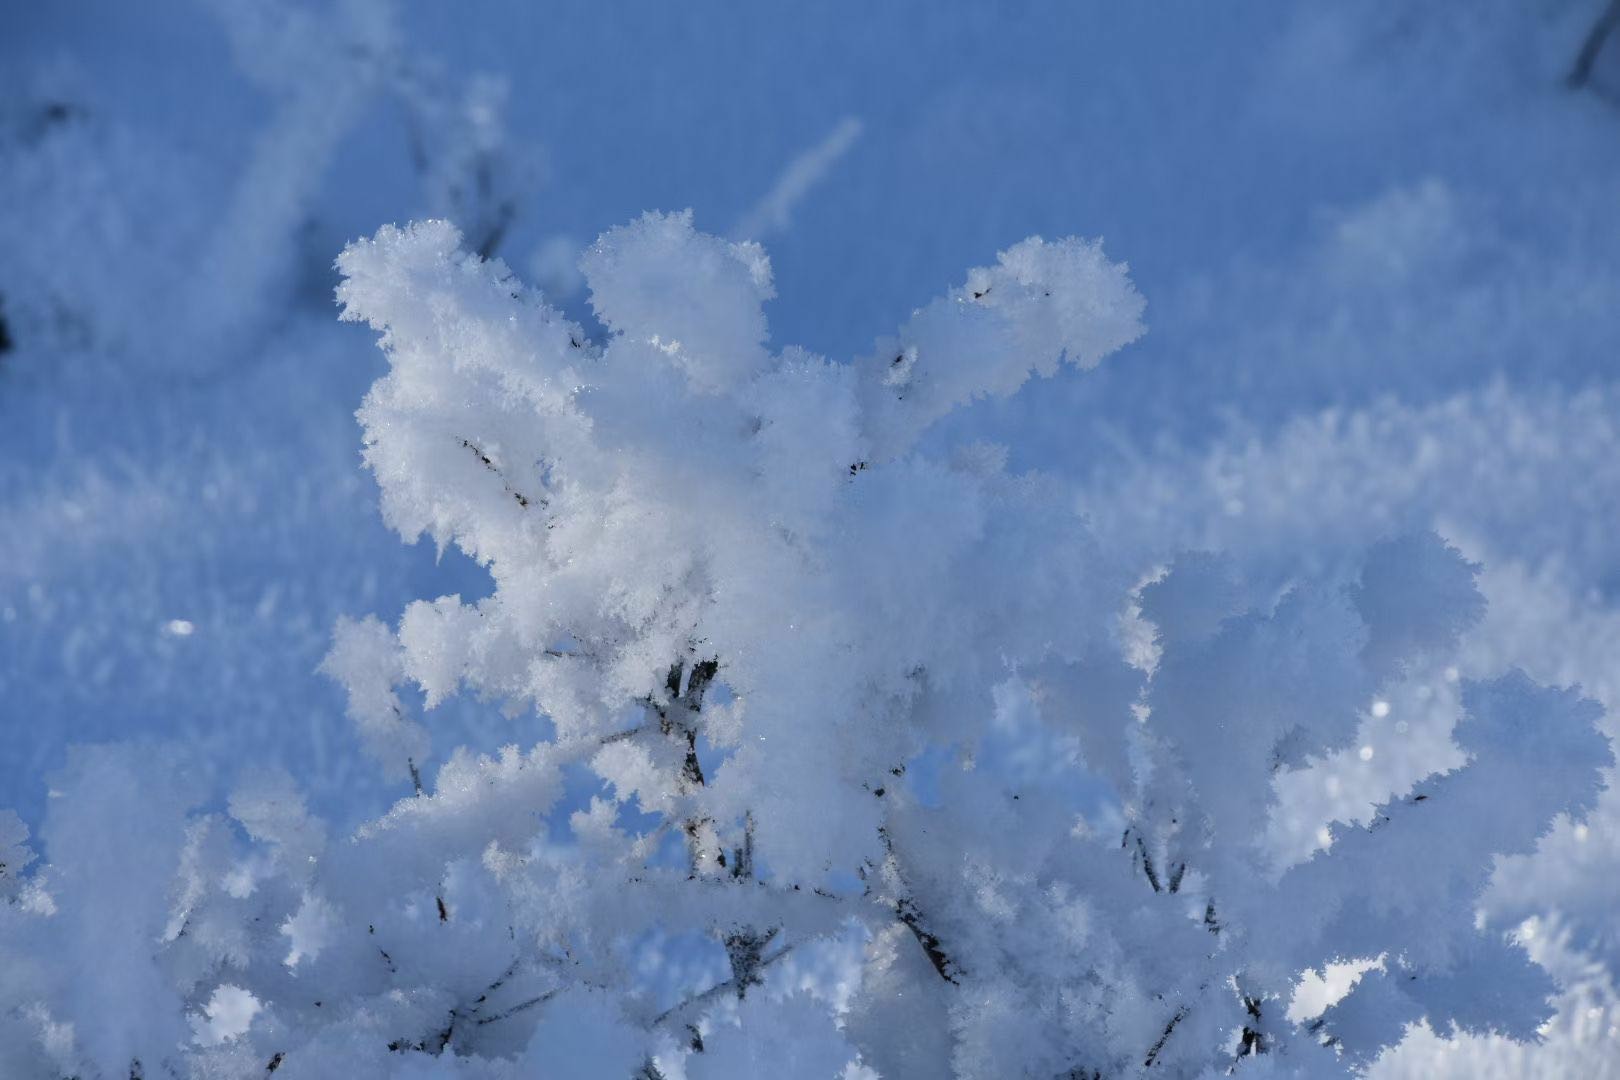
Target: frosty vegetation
x=846, y=695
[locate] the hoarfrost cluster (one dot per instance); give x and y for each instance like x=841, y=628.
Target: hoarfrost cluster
x=839, y=693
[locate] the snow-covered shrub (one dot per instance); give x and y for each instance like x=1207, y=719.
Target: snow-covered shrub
x=821, y=696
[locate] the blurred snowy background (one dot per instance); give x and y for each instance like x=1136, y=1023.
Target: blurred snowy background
x=1380, y=245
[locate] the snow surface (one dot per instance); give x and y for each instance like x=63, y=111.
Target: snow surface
x=1381, y=266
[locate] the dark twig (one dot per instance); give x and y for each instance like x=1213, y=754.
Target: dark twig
x=906, y=911
x=1593, y=44
x=1153, y=1051
x=1145, y=858
x=519, y=1007
x=484, y=459
x=1254, y=1041
x=719, y=989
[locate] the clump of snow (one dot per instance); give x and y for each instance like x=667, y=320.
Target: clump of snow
x=782, y=658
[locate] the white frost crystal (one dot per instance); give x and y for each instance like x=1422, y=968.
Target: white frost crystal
x=892, y=763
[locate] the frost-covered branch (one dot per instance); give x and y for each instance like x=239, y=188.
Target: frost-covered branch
x=818, y=681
